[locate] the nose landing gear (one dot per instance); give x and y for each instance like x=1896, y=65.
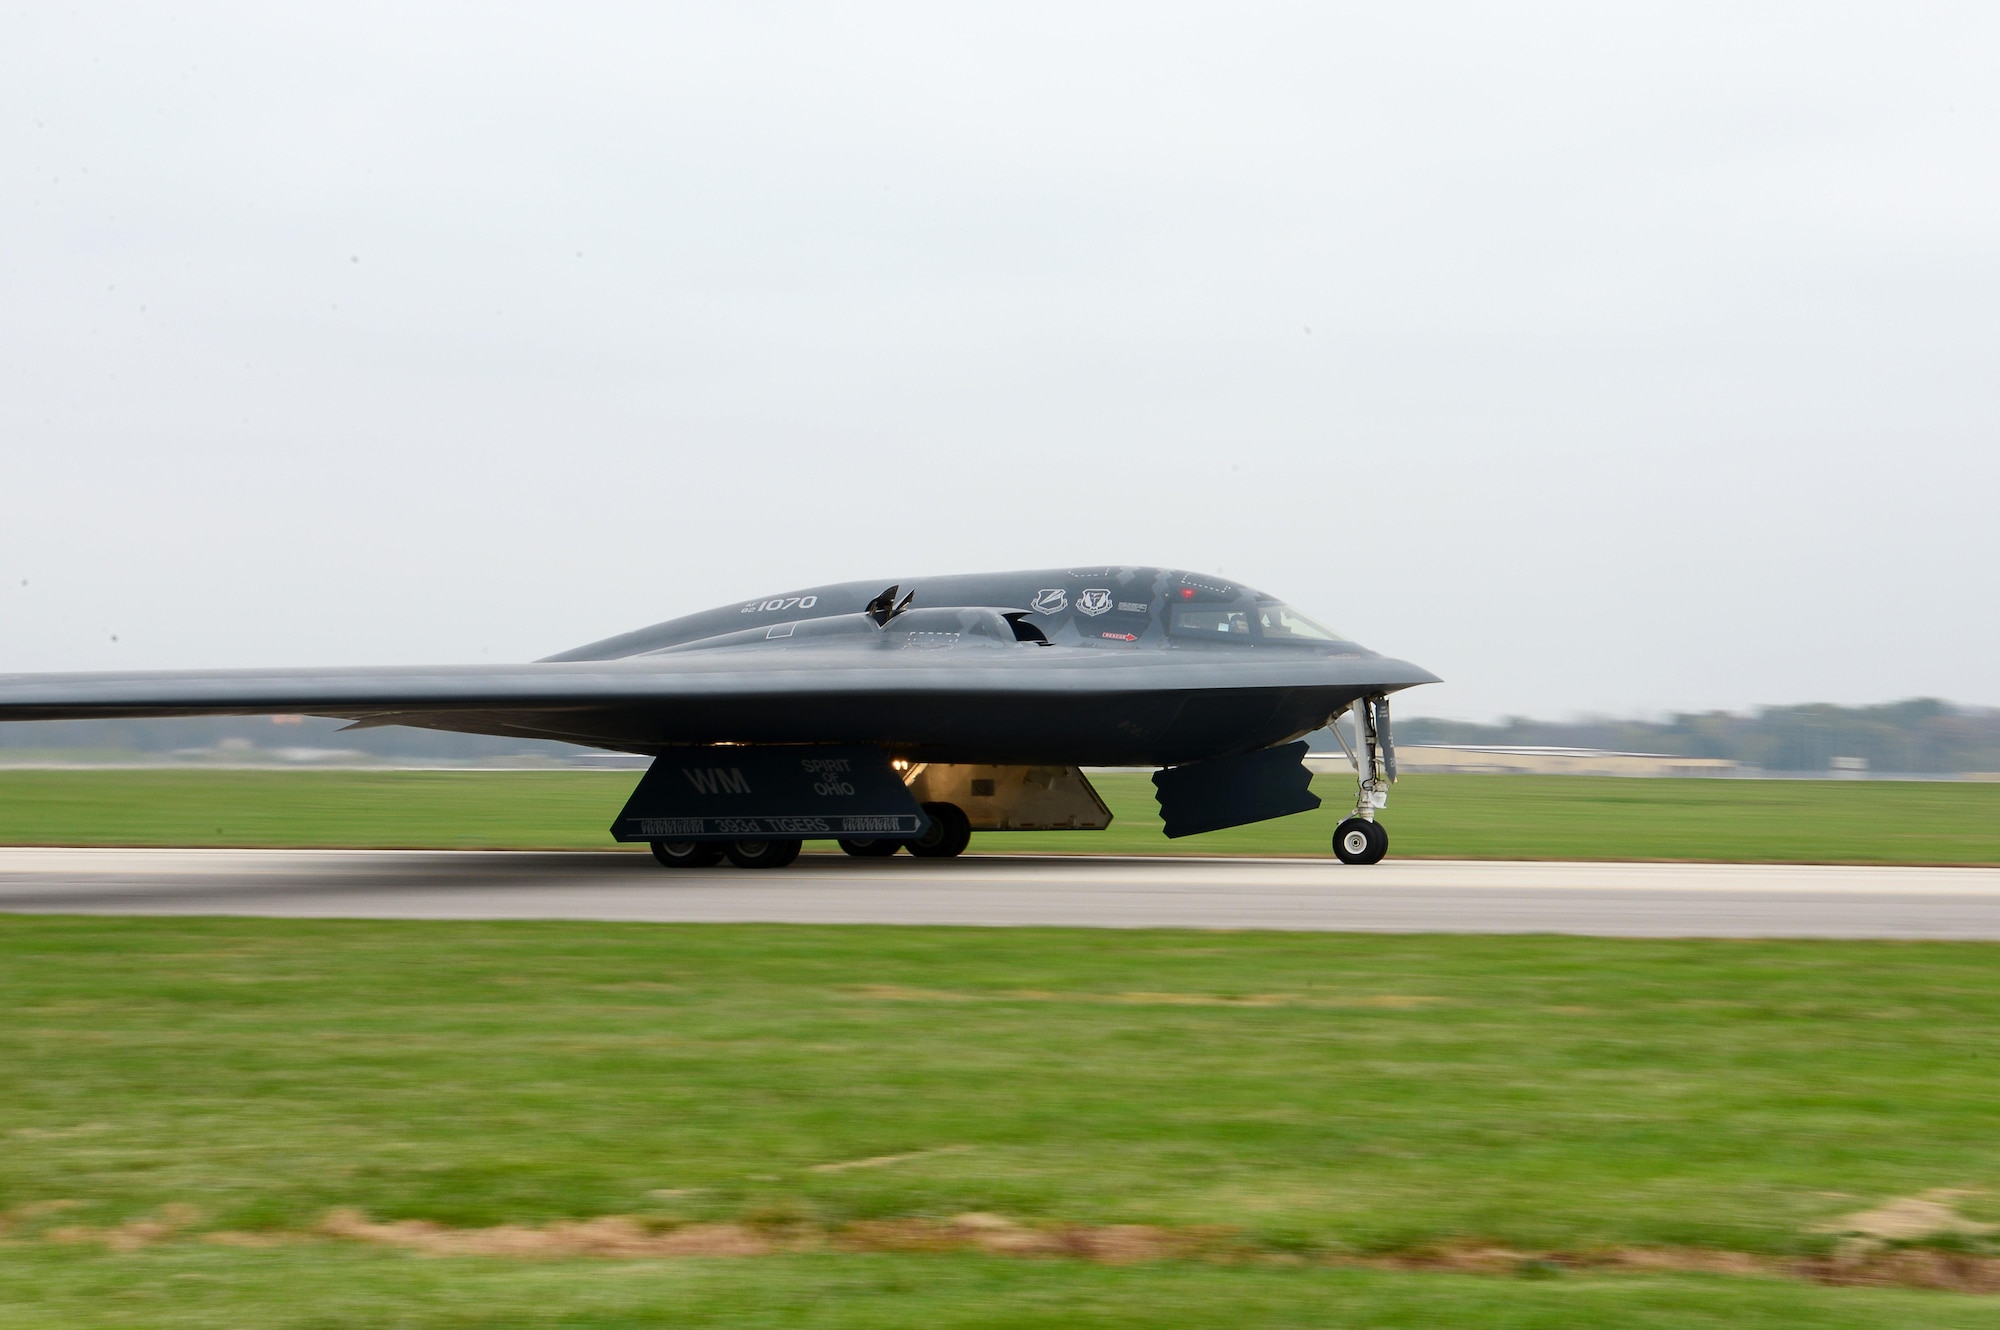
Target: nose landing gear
x=1360, y=839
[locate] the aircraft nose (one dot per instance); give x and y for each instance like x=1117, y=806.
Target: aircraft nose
x=1402, y=674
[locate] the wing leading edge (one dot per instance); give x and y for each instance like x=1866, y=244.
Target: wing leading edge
x=998, y=703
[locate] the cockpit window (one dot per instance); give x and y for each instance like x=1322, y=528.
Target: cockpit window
x=1212, y=621
x=1282, y=623
x=1267, y=621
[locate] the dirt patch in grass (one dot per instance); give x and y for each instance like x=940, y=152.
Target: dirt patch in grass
x=1906, y=1267
x=14, y=1217
x=1911, y=1219
x=629, y=1237
x=1492, y=1259
x=1108, y=1244
x=166, y=1222
x=1900, y=1267
x=1874, y=1261
x=608, y=1235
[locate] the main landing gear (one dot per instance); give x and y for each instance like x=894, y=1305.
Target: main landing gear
x=742, y=853
x=687, y=853
x=762, y=853
x=1360, y=839
x=950, y=832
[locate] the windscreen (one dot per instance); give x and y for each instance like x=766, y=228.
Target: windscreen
x=1267, y=621
x=1281, y=622
x=1220, y=621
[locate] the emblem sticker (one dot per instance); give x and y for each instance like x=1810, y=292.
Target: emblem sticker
x=1053, y=600
x=1094, y=601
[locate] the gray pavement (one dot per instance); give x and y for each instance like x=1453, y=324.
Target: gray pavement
x=1457, y=896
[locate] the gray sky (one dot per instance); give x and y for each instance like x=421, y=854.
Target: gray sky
x=1597, y=357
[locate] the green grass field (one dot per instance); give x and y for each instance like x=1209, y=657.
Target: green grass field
x=1429, y=816
x=1298, y=1099
x=1305, y=1102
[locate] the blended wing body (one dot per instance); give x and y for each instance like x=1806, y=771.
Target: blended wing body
x=1124, y=666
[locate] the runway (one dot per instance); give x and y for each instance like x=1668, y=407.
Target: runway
x=1412, y=895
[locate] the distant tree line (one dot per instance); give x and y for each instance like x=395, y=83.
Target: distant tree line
x=1918, y=737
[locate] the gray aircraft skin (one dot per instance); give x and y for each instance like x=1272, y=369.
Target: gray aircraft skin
x=1104, y=666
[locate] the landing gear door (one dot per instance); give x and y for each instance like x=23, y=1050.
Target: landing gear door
x=1382, y=737
x=1231, y=791
x=1014, y=798
x=790, y=793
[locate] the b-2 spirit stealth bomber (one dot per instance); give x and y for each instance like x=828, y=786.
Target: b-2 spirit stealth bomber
x=887, y=719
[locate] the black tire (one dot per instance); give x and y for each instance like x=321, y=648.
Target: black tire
x=870, y=849
x=1381, y=846
x=762, y=853
x=950, y=833
x=1355, y=841
x=687, y=853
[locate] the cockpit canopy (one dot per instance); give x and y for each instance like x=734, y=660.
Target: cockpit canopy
x=1102, y=608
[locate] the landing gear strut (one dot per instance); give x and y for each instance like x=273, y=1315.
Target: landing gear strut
x=1360, y=839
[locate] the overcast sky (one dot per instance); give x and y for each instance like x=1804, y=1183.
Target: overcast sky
x=1598, y=357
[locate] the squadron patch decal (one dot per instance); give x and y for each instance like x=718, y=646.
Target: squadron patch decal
x=1051, y=600
x=1094, y=601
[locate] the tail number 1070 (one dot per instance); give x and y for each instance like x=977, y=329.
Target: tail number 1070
x=787, y=603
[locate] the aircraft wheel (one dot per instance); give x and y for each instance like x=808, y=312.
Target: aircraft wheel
x=687, y=853
x=870, y=849
x=762, y=853
x=950, y=833
x=1359, y=841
